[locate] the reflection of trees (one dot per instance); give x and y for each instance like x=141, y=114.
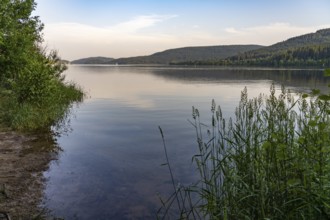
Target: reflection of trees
x=290, y=78
x=299, y=79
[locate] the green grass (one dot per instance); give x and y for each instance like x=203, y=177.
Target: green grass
x=31, y=116
x=271, y=161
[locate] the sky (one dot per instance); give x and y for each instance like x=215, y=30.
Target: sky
x=124, y=28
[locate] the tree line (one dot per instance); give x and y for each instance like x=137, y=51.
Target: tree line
x=308, y=56
x=309, y=50
x=318, y=56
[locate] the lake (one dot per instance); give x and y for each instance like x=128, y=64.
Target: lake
x=112, y=152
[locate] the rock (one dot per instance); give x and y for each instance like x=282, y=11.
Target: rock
x=4, y=216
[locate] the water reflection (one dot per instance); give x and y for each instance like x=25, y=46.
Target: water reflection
x=118, y=82
x=110, y=164
x=290, y=78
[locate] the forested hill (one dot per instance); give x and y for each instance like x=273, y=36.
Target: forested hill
x=93, y=60
x=188, y=54
x=305, y=50
x=309, y=50
x=175, y=55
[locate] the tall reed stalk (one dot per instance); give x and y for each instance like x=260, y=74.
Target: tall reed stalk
x=272, y=161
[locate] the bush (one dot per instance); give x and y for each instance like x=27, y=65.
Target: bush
x=271, y=162
x=28, y=116
x=33, y=92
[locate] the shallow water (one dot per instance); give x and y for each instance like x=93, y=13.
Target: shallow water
x=110, y=166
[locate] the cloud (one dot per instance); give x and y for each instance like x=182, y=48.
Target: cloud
x=102, y=40
x=232, y=30
x=140, y=22
x=144, y=35
x=81, y=32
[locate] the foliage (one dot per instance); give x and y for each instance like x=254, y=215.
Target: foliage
x=20, y=33
x=30, y=116
x=311, y=55
x=327, y=72
x=187, y=54
x=309, y=50
x=305, y=50
x=32, y=84
x=93, y=60
x=271, y=162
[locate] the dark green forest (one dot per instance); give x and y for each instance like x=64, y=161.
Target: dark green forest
x=93, y=60
x=310, y=50
x=178, y=55
x=187, y=54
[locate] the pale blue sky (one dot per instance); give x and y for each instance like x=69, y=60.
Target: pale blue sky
x=121, y=28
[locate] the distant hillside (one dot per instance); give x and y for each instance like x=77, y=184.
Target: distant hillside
x=188, y=54
x=306, y=50
x=93, y=60
x=64, y=61
x=312, y=50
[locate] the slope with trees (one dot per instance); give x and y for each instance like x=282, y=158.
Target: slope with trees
x=306, y=50
x=173, y=56
x=93, y=60
x=188, y=54
x=309, y=50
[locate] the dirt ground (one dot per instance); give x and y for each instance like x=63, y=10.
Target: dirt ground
x=23, y=158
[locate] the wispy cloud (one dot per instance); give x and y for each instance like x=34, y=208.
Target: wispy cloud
x=143, y=35
x=76, y=31
x=140, y=22
x=118, y=38
x=232, y=30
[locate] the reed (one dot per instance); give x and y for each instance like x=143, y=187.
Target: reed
x=271, y=161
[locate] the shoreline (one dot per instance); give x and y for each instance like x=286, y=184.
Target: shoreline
x=192, y=66
x=23, y=159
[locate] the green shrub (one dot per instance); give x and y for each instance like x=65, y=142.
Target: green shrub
x=28, y=116
x=33, y=92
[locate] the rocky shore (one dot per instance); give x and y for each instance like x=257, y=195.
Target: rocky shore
x=23, y=159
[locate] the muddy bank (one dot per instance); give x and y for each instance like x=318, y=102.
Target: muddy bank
x=23, y=158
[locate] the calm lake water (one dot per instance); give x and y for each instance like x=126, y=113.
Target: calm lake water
x=110, y=166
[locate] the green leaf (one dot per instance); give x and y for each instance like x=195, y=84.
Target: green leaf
x=324, y=97
x=266, y=145
x=274, y=136
x=305, y=96
x=293, y=182
x=312, y=123
x=327, y=72
x=326, y=205
x=301, y=140
x=315, y=91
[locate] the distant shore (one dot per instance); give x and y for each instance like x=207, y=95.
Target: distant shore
x=201, y=66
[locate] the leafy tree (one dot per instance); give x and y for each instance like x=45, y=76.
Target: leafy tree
x=20, y=36
x=31, y=76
